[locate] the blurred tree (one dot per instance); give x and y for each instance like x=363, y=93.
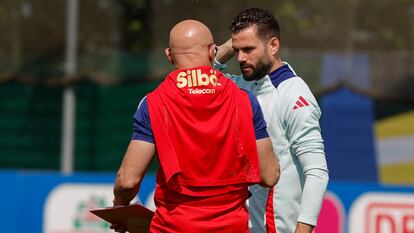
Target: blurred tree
x=135, y=43
x=11, y=41
x=34, y=32
x=135, y=30
x=379, y=24
x=315, y=24
x=386, y=24
x=99, y=26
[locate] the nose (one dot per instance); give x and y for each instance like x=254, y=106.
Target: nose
x=241, y=57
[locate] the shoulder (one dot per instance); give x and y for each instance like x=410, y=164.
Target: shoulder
x=143, y=102
x=294, y=89
x=252, y=98
x=294, y=84
x=297, y=101
x=234, y=77
x=142, y=109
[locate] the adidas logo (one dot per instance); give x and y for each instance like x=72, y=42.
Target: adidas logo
x=301, y=102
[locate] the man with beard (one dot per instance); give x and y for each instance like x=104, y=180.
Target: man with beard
x=292, y=115
x=210, y=139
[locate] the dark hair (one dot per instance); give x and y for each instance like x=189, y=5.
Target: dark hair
x=266, y=23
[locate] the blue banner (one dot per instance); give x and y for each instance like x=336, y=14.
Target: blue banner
x=50, y=202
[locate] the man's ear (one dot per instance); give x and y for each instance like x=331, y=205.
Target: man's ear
x=212, y=52
x=274, y=45
x=168, y=54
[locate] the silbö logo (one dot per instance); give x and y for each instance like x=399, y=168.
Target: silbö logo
x=195, y=78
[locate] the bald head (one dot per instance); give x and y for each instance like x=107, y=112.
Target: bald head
x=191, y=44
x=189, y=34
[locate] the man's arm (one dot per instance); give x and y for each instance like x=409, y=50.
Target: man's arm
x=307, y=144
x=134, y=165
x=313, y=163
x=310, y=151
x=268, y=163
x=225, y=52
x=303, y=228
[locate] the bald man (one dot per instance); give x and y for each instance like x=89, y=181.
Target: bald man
x=210, y=139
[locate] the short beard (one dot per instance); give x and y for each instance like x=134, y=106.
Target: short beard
x=262, y=69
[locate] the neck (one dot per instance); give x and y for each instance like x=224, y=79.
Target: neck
x=189, y=61
x=278, y=63
x=188, y=65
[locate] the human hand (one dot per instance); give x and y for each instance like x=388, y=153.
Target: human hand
x=118, y=227
x=225, y=52
x=303, y=228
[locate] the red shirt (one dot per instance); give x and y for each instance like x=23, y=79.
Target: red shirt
x=202, y=125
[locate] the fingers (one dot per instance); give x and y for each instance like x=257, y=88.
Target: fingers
x=118, y=227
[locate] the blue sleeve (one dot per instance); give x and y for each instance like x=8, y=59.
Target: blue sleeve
x=218, y=66
x=142, y=124
x=260, y=128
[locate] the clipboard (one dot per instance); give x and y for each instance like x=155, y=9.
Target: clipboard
x=136, y=217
